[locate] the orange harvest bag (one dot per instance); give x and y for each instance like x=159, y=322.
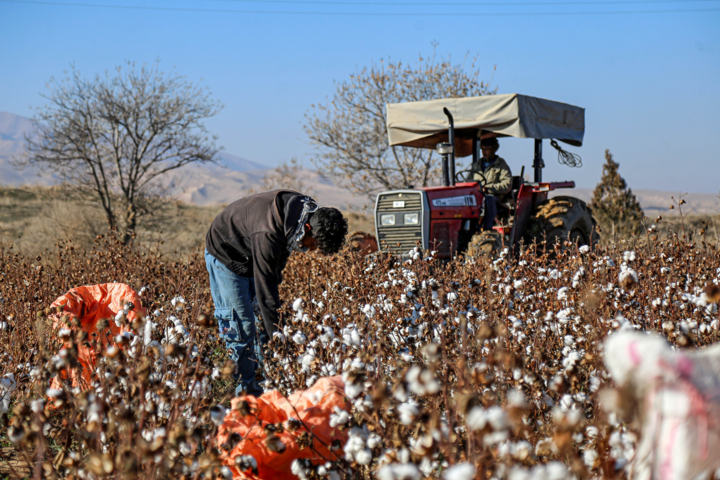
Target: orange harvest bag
x=312, y=407
x=89, y=304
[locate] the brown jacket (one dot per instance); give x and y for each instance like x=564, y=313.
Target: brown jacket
x=253, y=238
x=497, y=174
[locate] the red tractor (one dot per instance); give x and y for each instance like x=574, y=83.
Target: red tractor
x=447, y=218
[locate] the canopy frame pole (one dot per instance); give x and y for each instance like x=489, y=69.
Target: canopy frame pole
x=451, y=140
x=538, y=163
x=475, y=150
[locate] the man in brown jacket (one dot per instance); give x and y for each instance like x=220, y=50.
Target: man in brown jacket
x=246, y=250
x=494, y=174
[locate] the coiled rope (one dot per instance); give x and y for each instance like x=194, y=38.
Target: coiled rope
x=567, y=158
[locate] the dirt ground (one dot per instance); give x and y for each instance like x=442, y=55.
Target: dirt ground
x=34, y=218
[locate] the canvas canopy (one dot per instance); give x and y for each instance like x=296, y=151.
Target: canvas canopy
x=424, y=125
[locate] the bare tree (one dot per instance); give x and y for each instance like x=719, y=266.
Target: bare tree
x=285, y=176
x=117, y=135
x=351, y=134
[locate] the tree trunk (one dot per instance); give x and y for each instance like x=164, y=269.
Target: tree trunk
x=130, y=224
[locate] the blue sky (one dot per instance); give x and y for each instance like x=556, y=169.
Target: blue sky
x=650, y=82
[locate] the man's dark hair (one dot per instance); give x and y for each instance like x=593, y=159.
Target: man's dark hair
x=328, y=228
x=490, y=142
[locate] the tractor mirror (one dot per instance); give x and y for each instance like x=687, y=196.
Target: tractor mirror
x=444, y=148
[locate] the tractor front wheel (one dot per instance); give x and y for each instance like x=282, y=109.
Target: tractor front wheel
x=484, y=244
x=562, y=218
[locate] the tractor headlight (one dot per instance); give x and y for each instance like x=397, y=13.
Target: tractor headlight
x=387, y=219
x=410, y=219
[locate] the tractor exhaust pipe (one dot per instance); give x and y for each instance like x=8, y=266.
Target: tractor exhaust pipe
x=445, y=150
x=451, y=141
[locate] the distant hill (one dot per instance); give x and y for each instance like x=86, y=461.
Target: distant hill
x=657, y=202
x=12, y=142
x=225, y=183
x=207, y=184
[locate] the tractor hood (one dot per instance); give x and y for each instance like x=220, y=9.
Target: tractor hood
x=424, y=125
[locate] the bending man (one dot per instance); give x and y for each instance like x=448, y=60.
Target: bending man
x=246, y=250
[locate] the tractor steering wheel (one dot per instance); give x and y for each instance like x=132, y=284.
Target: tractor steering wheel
x=462, y=176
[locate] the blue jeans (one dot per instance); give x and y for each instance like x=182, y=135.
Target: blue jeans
x=490, y=212
x=233, y=295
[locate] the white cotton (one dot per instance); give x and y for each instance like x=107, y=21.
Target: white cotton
x=299, y=338
x=476, y=418
x=363, y=457
x=369, y=311
x=226, y=473
x=629, y=256
x=298, y=304
x=399, y=471
x=37, y=406
x=408, y=411
x=298, y=469
x=627, y=274
x=589, y=457
x=178, y=302
x=353, y=390
x=562, y=293
x=120, y=317
x=7, y=387
x=584, y=249
x=422, y=381
x=339, y=417
x=461, y=471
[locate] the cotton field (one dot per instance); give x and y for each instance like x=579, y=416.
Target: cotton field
x=470, y=369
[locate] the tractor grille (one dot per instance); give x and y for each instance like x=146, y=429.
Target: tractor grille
x=399, y=238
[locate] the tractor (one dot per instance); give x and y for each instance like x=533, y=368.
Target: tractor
x=447, y=218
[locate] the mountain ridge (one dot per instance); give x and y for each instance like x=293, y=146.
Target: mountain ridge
x=234, y=176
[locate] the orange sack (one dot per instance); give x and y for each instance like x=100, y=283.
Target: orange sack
x=312, y=407
x=89, y=304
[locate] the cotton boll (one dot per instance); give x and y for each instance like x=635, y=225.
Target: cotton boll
x=374, y=440
x=627, y=276
x=298, y=305
x=476, y=418
x=363, y=457
x=589, y=456
x=7, y=387
x=353, y=390
x=516, y=398
x=120, y=317
x=461, y=471
x=339, y=417
x=299, y=338
x=408, y=411
x=369, y=311
x=178, y=302
x=399, y=471
x=562, y=293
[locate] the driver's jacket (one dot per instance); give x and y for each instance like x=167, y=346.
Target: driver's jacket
x=497, y=175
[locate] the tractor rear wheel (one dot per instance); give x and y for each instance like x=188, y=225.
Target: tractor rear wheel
x=562, y=218
x=484, y=244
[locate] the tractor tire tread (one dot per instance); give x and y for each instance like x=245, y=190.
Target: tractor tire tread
x=557, y=218
x=484, y=244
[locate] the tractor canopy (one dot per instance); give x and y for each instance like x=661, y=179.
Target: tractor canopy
x=424, y=125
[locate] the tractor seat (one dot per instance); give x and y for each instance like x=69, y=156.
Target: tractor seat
x=508, y=200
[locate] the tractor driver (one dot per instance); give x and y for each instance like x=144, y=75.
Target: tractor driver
x=497, y=177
